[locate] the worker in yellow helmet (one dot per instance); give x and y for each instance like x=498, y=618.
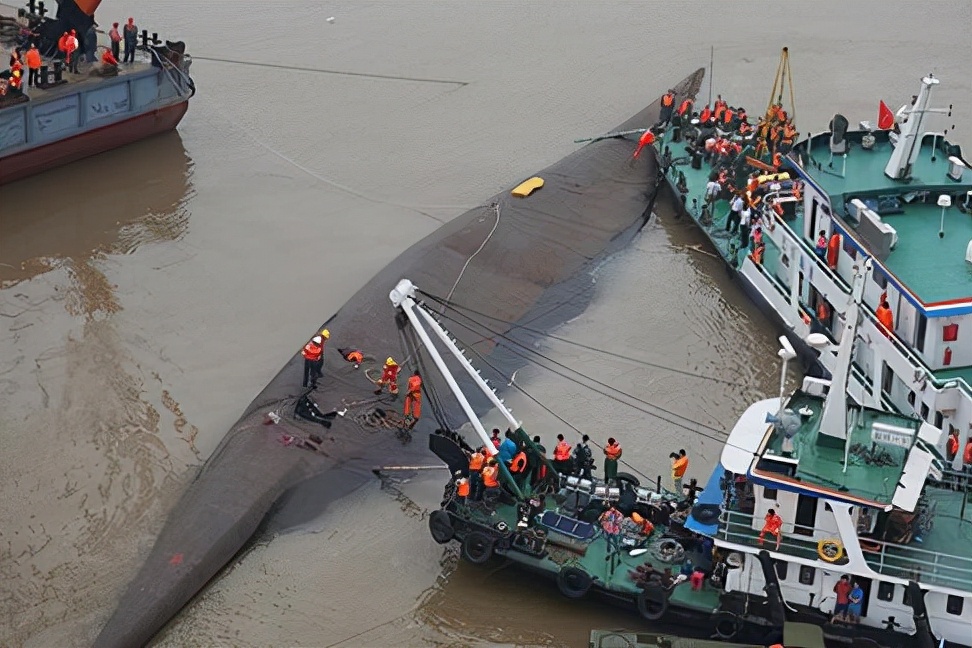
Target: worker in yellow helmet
x=389, y=376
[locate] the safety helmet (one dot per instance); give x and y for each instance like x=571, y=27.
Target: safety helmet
x=390, y=361
x=325, y=334
x=316, y=338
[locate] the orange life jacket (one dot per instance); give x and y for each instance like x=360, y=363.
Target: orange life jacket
x=613, y=451
x=706, y=115
x=668, y=100
x=462, y=487
x=16, y=74
x=562, y=451
x=967, y=457
x=415, y=386
x=490, y=479
x=727, y=117
x=952, y=446
x=33, y=58
x=886, y=317
x=679, y=466
x=833, y=249
x=313, y=351
x=519, y=463
x=773, y=523
x=476, y=461
x=758, y=254
x=720, y=108
x=777, y=160
x=685, y=107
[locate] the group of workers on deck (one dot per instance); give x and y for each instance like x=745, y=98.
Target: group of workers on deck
x=70, y=49
x=313, y=354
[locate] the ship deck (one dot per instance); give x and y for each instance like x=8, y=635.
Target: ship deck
x=873, y=471
x=933, y=268
x=78, y=82
x=596, y=562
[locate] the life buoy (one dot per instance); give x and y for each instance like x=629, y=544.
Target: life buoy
x=440, y=526
x=727, y=625
x=477, y=547
x=652, y=602
x=706, y=513
x=573, y=582
x=670, y=550
x=830, y=550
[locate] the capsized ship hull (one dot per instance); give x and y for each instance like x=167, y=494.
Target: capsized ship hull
x=536, y=259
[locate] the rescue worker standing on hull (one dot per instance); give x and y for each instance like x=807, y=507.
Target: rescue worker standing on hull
x=612, y=452
x=413, y=400
x=389, y=376
x=314, y=359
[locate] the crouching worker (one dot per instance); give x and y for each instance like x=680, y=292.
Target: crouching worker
x=353, y=356
x=108, y=67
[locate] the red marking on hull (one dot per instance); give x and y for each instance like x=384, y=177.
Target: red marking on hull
x=111, y=136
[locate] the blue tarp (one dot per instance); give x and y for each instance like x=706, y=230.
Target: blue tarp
x=712, y=495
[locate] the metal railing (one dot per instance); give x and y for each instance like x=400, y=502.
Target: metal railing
x=921, y=565
x=737, y=527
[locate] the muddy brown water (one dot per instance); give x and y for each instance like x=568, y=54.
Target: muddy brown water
x=148, y=294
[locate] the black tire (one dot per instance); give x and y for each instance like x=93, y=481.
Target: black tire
x=629, y=478
x=706, y=513
x=477, y=547
x=652, y=603
x=727, y=625
x=440, y=526
x=573, y=582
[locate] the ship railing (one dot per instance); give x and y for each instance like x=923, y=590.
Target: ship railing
x=921, y=565
x=797, y=539
x=168, y=68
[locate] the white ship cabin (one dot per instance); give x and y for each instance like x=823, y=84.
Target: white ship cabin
x=902, y=197
x=870, y=503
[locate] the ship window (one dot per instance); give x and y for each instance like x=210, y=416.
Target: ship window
x=906, y=597
x=879, y=278
x=887, y=376
x=849, y=248
x=769, y=493
x=920, y=334
x=911, y=398
x=885, y=591
x=806, y=574
x=924, y=411
x=939, y=420
x=954, y=605
x=781, y=568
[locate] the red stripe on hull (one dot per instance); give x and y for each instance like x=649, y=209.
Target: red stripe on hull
x=111, y=136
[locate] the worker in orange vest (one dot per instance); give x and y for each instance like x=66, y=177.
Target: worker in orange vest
x=477, y=461
x=561, y=459
x=773, y=524
x=389, y=376
x=679, y=466
x=885, y=316
x=354, y=356
x=33, y=59
x=313, y=361
x=647, y=139
x=491, y=474
x=612, y=452
x=667, y=106
x=685, y=108
x=462, y=487
x=413, y=399
x=108, y=59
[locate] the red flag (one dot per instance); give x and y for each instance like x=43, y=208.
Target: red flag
x=885, y=117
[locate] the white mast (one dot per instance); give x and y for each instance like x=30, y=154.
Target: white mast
x=909, y=142
x=403, y=296
x=833, y=421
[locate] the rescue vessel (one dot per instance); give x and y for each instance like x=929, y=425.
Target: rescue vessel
x=68, y=116
x=621, y=539
x=861, y=492
x=897, y=193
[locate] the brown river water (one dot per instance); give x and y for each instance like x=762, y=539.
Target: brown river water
x=148, y=294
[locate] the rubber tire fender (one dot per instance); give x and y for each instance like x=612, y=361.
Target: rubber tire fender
x=727, y=625
x=629, y=478
x=652, y=603
x=574, y=582
x=440, y=526
x=706, y=513
x=477, y=547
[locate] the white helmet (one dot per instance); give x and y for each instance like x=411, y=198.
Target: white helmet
x=316, y=339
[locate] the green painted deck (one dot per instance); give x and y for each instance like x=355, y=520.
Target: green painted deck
x=821, y=457
x=595, y=561
x=933, y=268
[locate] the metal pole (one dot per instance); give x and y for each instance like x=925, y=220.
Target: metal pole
x=711, y=61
